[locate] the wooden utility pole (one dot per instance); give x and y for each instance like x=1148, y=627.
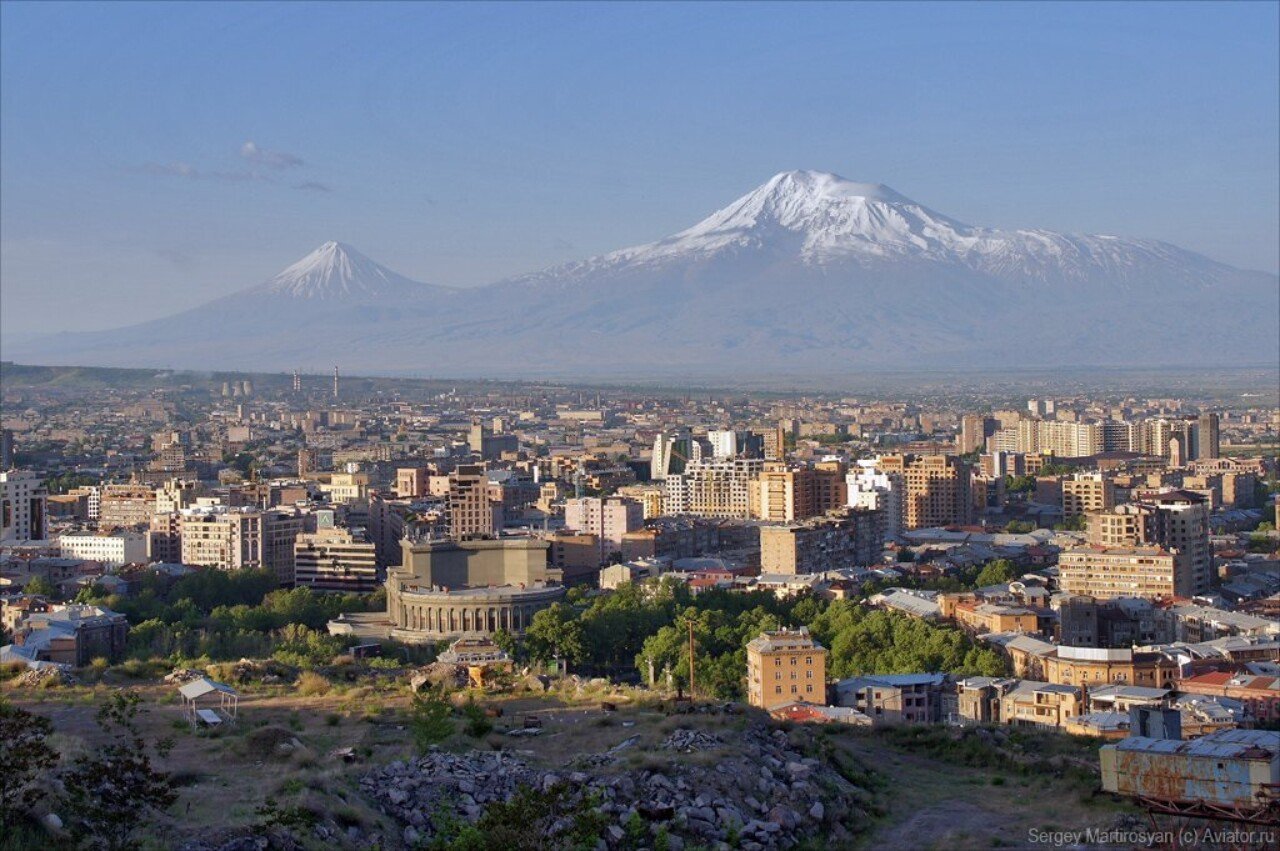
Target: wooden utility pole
x=691, y=658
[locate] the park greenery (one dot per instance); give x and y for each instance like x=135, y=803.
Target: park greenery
x=648, y=627
x=215, y=615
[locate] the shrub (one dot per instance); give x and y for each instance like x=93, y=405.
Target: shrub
x=478, y=724
x=311, y=684
x=333, y=719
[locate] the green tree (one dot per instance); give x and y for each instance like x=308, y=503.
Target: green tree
x=478, y=724
x=430, y=720
x=556, y=632
x=1020, y=484
x=1074, y=523
x=25, y=755
x=113, y=791
x=997, y=572
x=40, y=585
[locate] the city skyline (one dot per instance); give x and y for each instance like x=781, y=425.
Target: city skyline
x=163, y=190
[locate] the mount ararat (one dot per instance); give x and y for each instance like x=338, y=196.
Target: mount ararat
x=808, y=273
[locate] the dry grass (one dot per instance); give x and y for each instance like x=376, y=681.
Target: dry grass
x=311, y=684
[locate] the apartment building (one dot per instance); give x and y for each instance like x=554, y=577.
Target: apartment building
x=114, y=548
x=1085, y=493
x=609, y=519
x=786, y=666
x=853, y=537
x=126, y=505
x=1174, y=520
x=713, y=488
x=936, y=489
x=472, y=512
x=1110, y=572
x=335, y=559
x=232, y=539
x=871, y=488
x=23, y=506
x=1037, y=704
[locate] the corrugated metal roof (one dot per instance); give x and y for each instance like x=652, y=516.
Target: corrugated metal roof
x=1230, y=744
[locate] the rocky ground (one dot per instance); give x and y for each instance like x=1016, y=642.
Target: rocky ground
x=752, y=790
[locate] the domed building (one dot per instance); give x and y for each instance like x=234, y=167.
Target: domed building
x=445, y=589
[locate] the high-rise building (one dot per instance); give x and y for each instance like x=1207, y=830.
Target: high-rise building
x=232, y=539
x=335, y=559
x=671, y=453
x=412, y=482
x=870, y=488
x=472, y=514
x=974, y=431
x=1175, y=520
x=786, y=666
x=23, y=506
x=936, y=491
x=126, y=505
x=1209, y=444
x=6, y=449
x=724, y=444
x=489, y=446
x=783, y=493
x=608, y=519
x=710, y=488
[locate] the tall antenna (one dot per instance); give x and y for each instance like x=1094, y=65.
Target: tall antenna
x=297, y=382
x=335, y=382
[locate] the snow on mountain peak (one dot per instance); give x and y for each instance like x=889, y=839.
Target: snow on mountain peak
x=335, y=270
x=821, y=216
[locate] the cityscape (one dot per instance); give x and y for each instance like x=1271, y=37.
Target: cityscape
x=829, y=521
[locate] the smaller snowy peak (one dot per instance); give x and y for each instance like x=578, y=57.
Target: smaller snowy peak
x=338, y=271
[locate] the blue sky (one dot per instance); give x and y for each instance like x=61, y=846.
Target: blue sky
x=153, y=156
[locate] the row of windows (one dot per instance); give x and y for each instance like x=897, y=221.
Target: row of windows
x=808, y=675
x=794, y=690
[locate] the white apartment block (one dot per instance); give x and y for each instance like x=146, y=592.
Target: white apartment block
x=114, y=549
x=713, y=488
x=868, y=487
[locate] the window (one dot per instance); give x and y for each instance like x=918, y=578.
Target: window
x=793, y=689
x=809, y=689
x=777, y=689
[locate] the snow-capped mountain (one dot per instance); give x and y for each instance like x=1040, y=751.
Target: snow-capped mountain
x=807, y=273
x=336, y=271
x=820, y=218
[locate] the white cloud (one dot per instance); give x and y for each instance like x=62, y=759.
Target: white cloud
x=277, y=160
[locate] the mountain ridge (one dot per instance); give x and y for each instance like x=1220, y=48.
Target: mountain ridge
x=806, y=271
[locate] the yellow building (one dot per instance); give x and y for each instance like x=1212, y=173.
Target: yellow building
x=1091, y=666
x=786, y=666
x=1109, y=572
x=981, y=618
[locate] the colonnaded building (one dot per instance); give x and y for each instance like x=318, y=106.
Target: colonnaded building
x=444, y=588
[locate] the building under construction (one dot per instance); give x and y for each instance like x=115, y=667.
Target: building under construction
x=1232, y=774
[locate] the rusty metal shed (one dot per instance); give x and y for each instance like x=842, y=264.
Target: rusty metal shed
x=1231, y=768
